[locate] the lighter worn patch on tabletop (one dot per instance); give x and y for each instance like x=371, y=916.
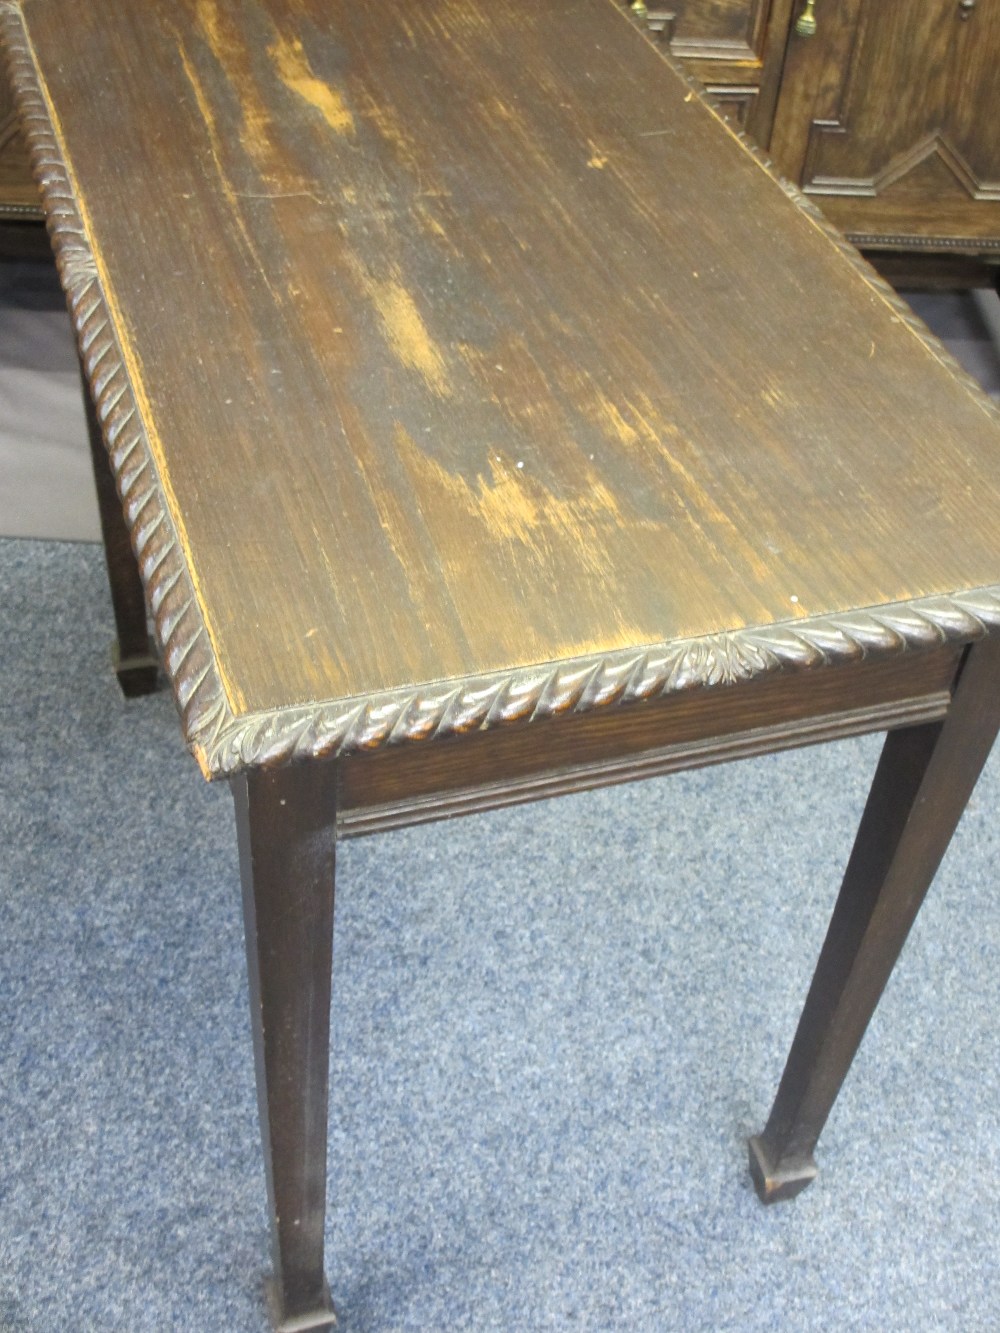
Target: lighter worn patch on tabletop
x=233, y=59
x=215, y=147
x=296, y=74
x=515, y=506
x=204, y=107
x=210, y=22
x=408, y=333
x=700, y=505
x=613, y=418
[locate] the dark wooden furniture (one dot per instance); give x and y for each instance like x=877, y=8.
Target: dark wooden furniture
x=735, y=48
x=884, y=111
x=489, y=422
x=876, y=108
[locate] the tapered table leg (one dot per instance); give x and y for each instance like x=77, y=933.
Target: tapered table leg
x=923, y=781
x=135, y=659
x=286, y=829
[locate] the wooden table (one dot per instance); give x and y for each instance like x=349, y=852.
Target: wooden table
x=489, y=422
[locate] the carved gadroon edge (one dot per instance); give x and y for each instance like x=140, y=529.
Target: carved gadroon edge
x=225, y=743
x=577, y=686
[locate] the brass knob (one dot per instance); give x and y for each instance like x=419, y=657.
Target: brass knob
x=638, y=8
x=805, y=25
x=965, y=8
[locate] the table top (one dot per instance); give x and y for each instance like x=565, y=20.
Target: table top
x=458, y=364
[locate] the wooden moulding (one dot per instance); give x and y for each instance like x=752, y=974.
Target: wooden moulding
x=226, y=743
x=673, y=732
x=987, y=246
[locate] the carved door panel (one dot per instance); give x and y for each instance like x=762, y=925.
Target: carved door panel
x=716, y=29
x=731, y=46
x=889, y=114
x=18, y=193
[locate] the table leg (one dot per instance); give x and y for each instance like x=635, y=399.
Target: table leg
x=135, y=658
x=286, y=827
x=923, y=781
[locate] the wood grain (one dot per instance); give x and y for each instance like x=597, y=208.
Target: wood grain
x=354, y=270
x=882, y=116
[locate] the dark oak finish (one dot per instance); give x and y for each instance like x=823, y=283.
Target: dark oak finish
x=411, y=302
x=925, y=777
x=888, y=115
x=489, y=422
x=286, y=826
x=733, y=29
x=736, y=104
x=736, y=48
x=880, y=113
x=703, y=726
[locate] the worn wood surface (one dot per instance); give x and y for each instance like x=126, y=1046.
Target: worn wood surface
x=889, y=116
x=440, y=357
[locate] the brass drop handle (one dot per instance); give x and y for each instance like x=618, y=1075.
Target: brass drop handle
x=805, y=24
x=965, y=8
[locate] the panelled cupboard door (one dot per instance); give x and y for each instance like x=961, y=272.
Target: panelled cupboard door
x=735, y=47
x=18, y=193
x=889, y=115
x=726, y=30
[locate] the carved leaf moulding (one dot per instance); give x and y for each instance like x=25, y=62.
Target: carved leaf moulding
x=581, y=685
x=225, y=743
x=936, y=146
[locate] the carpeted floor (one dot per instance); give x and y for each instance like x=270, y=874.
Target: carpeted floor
x=553, y=1029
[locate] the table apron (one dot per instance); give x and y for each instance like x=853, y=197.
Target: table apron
x=419, y=783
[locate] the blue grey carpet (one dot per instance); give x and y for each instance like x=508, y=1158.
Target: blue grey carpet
x=553, y=1029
